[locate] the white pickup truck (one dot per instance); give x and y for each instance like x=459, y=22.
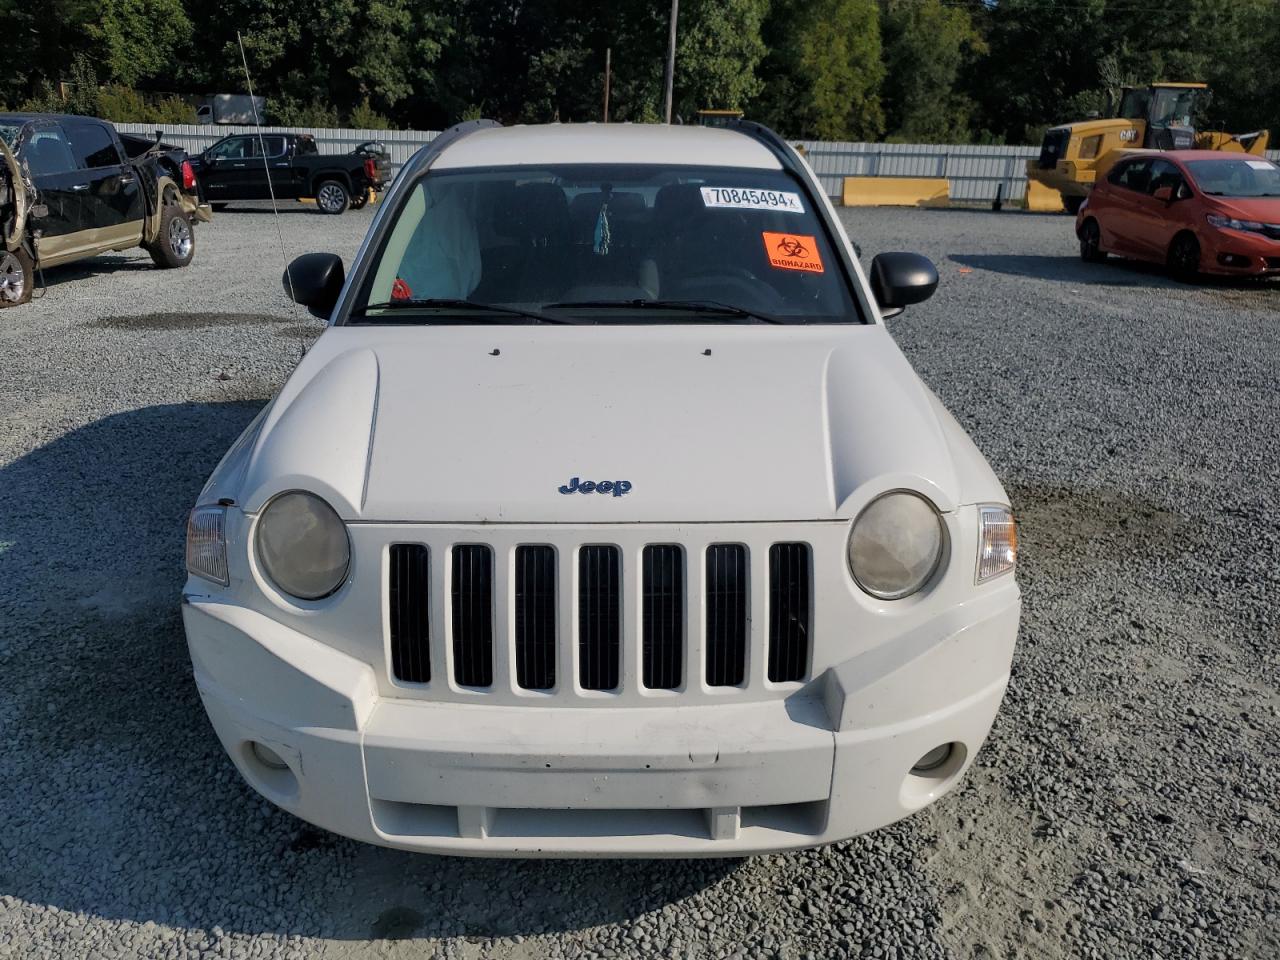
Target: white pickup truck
x=605, y=518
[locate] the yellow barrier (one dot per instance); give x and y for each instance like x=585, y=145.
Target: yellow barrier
x=1042, y=199
x=896, y=192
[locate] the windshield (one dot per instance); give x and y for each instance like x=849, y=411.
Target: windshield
x=9, y=132
x=1173, y=107
x=607, y=243
x=1236, y=177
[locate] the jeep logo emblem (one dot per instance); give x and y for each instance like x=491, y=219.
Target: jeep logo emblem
x=618, y=488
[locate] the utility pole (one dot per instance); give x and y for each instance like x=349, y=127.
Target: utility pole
x=671, y=60
x=608, y=54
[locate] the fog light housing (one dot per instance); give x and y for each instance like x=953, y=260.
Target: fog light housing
x=267, y=757
x=934, y=759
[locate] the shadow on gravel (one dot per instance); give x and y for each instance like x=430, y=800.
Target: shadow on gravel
x=1116, y=272
x=118, y=801
x=94, y=266
x=186, y=321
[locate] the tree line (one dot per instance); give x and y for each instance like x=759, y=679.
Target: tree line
x=941, y=71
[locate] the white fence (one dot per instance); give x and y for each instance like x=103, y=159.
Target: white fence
x=975, y=172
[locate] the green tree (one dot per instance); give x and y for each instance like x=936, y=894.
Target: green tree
x=719, y=47
x=139, y=38
x=823, y=73
x=926, y=46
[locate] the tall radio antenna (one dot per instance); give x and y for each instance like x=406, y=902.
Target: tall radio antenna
x=266, y=167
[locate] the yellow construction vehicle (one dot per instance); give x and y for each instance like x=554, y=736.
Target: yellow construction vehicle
x=1156, y=117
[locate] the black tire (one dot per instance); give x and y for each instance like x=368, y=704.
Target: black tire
x=218, y=206
x=1091, y=242
x=175, y=244
x=1073, y=204
x=360, y=200
x=332, y=197
x=1184, y=258
x=16, y=277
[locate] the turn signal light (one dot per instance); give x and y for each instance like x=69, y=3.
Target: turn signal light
x=997, y=542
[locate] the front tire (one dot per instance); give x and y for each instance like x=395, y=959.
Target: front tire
x=1091, y=242
x=1073, y=204
x=175, y=244
x=16, y=277
x=1184, y=258
x=332, y=197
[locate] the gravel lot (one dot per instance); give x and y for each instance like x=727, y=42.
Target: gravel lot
x=1125, y=806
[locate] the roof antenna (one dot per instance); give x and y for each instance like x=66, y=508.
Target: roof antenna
x=266, y=167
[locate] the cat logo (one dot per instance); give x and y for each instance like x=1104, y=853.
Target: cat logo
x=1128, y=136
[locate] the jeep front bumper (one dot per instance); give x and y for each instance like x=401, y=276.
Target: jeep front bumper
x=828, y=762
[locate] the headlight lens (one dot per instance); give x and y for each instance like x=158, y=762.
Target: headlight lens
x=997, y=542
x=895, y=545
x=303, y=546
x=1218, y=220
x=207, y=543
x=1089, y=147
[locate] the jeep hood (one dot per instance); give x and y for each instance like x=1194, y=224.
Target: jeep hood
x=486, y=424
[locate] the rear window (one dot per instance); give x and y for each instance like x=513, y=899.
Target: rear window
x=93, y=144
x=598, y=242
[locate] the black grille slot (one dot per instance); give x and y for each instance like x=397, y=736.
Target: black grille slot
x=726, y=601
x=535, y=588
x=473, y=615
x=408, y=597
x=599, y=617
x=788, y=611
x=662, y=613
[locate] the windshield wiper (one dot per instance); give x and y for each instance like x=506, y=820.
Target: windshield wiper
x=447, y=303
x=692, y=306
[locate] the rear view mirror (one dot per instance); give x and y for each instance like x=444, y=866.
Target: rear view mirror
x=1164, y=194
x=901, y=279
x=315, y=280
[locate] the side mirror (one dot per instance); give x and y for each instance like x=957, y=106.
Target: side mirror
x=315, y=280
x=1164, y=194
x=901, y=279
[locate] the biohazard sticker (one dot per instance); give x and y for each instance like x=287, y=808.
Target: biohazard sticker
x=792, y=251
x=746, y=198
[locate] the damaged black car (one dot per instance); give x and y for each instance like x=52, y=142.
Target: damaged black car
x=70, y=188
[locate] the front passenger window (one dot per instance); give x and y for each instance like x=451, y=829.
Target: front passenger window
x=47, y=153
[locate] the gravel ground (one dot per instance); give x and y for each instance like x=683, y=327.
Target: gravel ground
x=1124, y=806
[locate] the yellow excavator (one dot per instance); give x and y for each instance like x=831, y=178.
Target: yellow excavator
x=1155, y=117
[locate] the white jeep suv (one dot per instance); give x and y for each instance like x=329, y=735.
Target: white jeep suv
x=605, y=518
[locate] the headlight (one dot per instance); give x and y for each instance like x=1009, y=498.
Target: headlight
x=895, y=545
x=1089, y=147
x=303, y=546
x=207, y=543
x=1217, y=220
x=997, y=542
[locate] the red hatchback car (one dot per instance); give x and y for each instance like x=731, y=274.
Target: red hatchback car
x=1198, y=211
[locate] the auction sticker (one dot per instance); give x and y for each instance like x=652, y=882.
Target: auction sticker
x=748, y=198
x=1259, y=164
x=793, y=251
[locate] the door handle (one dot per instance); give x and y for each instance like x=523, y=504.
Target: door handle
x=126, y=179
x=238, y=165
x=80, y=186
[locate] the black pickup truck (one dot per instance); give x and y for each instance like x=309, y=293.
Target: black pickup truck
x=237, y=168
